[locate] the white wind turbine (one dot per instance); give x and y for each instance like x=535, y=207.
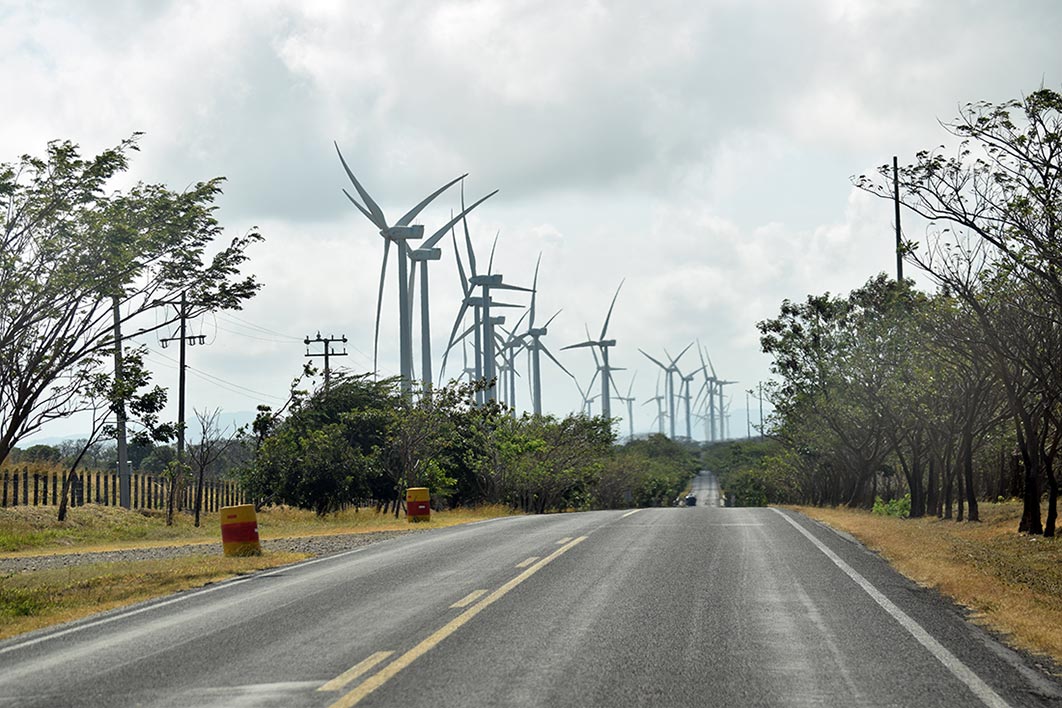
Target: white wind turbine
x=661, y=413
x=629, y=400
x=602, y=344
x=535, y=347
x=483, y=323
x=670, y=369
x=399, y=233
x=428, y=252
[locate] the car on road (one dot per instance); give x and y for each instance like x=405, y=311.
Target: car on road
x=691, y=500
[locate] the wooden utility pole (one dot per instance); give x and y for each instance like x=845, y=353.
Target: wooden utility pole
x=896, y=205
x=327, y=353
x=182, y=337
x=123, y=455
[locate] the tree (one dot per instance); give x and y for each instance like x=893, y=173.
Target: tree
x=103, y=395
x=68, y=249
x=212, y=446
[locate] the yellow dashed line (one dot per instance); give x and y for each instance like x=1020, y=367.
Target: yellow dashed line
x=564, y=540
x=355, y=671
x=391, y=670
x=525, y=563
x=468, y=599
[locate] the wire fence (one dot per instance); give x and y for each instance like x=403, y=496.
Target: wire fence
x=25, y=488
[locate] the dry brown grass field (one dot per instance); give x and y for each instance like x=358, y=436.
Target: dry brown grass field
x=1011, y=583
x=34, y=599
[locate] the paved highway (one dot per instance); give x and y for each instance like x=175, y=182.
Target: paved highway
x=658, y=607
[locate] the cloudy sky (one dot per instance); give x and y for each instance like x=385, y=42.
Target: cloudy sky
x=703, y=151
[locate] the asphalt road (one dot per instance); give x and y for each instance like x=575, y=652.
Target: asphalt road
x=659, y=607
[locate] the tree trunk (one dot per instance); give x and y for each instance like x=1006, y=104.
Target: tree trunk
x=950, y=478
x=961, y=498
x=932, y=507
x=198, y=496
x=1052, y=503
x=1030, y=517
x=967, y=468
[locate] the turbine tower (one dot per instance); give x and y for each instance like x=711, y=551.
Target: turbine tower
x=535, y=347
x=399, y=233
x=629, y=400
x=606, y=370
x=428, y=252
x=670, y=369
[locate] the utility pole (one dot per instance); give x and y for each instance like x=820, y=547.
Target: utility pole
x=761, y=409
x=748, y=419
x=896, y=206
x=328, y=351
x=183, y=337
x=123, y=453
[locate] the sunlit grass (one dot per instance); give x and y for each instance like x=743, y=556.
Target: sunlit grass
x=36, y=599
x=1012, y=583
x=29, y=530
x=42, y=598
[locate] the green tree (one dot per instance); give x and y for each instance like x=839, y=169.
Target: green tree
x=69, y=249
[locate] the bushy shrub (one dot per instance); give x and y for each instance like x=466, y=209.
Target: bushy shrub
x=900, y=508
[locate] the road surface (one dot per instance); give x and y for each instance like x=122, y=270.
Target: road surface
x=656, y=607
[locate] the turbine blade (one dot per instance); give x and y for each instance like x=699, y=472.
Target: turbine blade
x=376, y=215
x=379, y=307
x=662, y=366
x=550, y=320
x=412, y=213
x=609, y=315
x=362, y=209
x=534, y=291
x=631, y=387
x=490, y=263
x=460, y=265
x=580, y=345
x=554, y=359
x=675, y=360
x=430, y=243
x=506, y=286
x=468, y=238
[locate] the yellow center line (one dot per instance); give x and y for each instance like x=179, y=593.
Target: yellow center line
x=629, y=513
x=391, y=670
x=525, y=563
x=355, y=671
x=468, y=599
x=564, y=540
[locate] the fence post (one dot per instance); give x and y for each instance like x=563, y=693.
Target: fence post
x=36, y=488
x=25, y=486
x=14, y=489
x=4, y=501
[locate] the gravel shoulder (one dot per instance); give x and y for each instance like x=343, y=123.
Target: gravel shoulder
x=312, y=545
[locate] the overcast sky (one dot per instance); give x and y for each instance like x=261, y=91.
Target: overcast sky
x=701, y=150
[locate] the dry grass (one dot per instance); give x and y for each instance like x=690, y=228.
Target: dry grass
x=1012, y=583
x=42, y=598
x=30, y=601
x=34, y=530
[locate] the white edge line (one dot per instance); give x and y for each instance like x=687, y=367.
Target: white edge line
x=173, y=600
x=629, y=513
x=951, y=662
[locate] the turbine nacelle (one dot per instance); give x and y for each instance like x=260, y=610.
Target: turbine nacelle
x=537, y=332
x=425, y=254
x=403, y=233
x=490, y=281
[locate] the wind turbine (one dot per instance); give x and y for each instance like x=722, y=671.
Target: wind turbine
x=536, y=346
x=685, y=396
x=399, y=233
x=629, y=400
x=660, y=412
x=483, y=324
x=428, y=252
x=670, y=369
x=606, y=370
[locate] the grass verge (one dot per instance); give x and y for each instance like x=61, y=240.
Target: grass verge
x=34, y=530
x=1012, y=583
x=42, y=598
x=37, y=599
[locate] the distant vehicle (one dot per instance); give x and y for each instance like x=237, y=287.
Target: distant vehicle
x=691, y=500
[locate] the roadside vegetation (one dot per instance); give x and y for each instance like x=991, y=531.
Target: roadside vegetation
x=1010, y=583
x=930, y=403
